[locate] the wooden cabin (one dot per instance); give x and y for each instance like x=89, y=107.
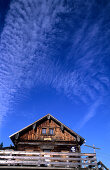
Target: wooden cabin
x=46, y=143
x=47, y=135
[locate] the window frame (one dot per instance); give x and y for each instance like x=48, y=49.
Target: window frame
x=44, y=133
x=51, y=131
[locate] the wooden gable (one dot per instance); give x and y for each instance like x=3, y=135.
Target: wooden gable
x=58, y=133
x=34, y=132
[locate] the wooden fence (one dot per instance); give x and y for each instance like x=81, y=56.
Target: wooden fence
x=52, y=159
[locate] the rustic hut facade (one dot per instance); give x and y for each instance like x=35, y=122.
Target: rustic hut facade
x=47, y=134
x=46, y=144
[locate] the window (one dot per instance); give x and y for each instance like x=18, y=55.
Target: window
x=44, y=131
x=51, y=131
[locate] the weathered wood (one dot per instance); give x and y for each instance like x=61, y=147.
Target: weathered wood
x=51, y=158
x=102, y=165
x=17, y=136
x=39, y=163
x=46, y=158
x=62, y=127
x=30, y=136
x=42, y=162
x=34, y=126
x=59, y=135
x=78, y=139
x=47, y=153
x=39, y=143
x=37, y=168
x=48, y=117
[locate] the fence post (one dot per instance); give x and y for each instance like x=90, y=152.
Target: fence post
x=9, y=158
x=96, y=162
x=84, y=163
x=67, y=161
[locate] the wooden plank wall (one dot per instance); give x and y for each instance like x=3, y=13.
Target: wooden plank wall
x=29, y=139
x=36, y=134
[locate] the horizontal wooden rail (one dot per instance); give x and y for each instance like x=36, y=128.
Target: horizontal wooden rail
x=47, y=153
x=54, y=159
x=37, y=158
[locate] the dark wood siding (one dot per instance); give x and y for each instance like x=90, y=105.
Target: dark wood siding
x=36, y=134
x=32, y=138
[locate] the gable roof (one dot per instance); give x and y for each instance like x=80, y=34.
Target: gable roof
x=49, y=116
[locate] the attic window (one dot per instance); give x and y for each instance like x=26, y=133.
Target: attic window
x=51, y=131
x=43, y=131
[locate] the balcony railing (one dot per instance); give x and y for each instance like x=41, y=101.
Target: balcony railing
x=48, y=159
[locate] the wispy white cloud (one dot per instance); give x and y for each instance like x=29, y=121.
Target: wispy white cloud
x=23, y=48
x=49, y=42
x=91, y=113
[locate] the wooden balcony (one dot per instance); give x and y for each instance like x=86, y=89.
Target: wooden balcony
x=46, y=160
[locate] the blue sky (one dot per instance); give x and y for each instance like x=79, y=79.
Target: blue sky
x=54, y=58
